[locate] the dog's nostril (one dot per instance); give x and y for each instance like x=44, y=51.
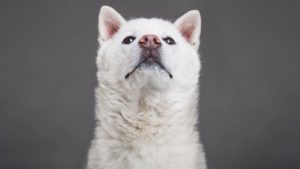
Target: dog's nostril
x=143, y=40
x=156, y=40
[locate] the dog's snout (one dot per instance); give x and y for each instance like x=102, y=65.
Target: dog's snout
x=150, y=42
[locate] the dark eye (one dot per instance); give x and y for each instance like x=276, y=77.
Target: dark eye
x=169, y=41
x=128, y=40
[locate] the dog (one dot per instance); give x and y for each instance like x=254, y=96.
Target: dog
x=147, y=93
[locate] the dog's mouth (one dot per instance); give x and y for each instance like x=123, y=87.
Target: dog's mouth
x=149, y=61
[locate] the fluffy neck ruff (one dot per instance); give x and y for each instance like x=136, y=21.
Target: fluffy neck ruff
x=145, y=114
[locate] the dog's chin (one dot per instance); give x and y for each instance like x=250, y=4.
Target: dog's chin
x=157, y=78
x=151, y=75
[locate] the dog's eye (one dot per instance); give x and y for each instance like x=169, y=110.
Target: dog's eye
x=128, y=40
x=169, y=40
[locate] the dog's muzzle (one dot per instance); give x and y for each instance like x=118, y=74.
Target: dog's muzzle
x=150, y=45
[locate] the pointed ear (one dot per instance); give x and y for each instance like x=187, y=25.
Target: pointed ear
x=109, y=23
x=189, y=25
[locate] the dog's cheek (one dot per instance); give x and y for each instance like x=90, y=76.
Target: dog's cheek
x=168, y=56
x=128, y=58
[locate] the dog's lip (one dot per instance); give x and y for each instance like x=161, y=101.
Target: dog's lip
x=149, y=61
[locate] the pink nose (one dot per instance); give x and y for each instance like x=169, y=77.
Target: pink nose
x=150, y=42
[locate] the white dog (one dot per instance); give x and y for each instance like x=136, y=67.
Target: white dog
x=147, y=94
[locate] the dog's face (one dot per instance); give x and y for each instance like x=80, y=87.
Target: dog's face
x=148, y=52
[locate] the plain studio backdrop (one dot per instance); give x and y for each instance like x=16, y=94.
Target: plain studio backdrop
x=249, y=106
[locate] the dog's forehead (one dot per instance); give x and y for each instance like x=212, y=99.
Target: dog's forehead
x=149, y=26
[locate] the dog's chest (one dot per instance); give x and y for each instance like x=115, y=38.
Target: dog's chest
x=153, y=156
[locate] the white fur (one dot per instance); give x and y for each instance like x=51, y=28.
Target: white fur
x=148, y=121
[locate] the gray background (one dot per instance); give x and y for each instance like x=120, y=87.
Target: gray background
x=249, y=86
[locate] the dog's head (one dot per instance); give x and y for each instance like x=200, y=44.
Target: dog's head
x=148, y=52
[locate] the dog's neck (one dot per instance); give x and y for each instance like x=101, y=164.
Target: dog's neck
x=146, y=111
